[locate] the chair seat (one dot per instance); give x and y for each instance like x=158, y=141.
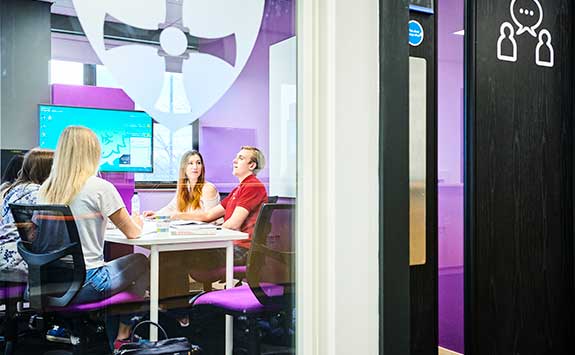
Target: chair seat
x=119, y=298
x=240, y=299
x=12, y=291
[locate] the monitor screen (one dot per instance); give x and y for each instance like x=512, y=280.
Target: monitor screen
x=125, y=136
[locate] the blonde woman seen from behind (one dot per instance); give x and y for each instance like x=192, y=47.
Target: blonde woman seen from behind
x=193, y=193
x=93, y=201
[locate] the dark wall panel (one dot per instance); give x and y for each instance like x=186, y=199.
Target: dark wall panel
x=25, y=50
x=423, y=278
x=519, y=227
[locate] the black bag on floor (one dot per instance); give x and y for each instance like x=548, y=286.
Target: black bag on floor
x=173, y=346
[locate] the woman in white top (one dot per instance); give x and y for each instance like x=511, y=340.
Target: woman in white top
x=93, y=201
x=193, y=193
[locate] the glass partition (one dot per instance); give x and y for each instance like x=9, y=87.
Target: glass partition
x=218, y=79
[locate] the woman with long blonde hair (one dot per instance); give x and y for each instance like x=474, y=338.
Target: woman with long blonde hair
x=193, y=193
x=93, y=201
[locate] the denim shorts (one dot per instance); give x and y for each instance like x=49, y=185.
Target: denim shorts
x=98, y=278
x=96, y=287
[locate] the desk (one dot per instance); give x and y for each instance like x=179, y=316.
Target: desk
x=223, y=238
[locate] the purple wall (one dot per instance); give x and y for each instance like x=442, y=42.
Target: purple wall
x=93, y=96
x=451, y=309
x=450, y=223
x=450, y=281
x=450, y=168
x=219, y=156
x=246, y=104
x=450, y=91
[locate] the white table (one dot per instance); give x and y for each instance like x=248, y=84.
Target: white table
x=223, y=238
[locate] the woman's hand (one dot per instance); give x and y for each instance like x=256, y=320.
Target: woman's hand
x=149, y=214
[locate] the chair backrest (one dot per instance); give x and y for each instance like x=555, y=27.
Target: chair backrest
x=50, y=245
x=273, y=199
x=271, y=259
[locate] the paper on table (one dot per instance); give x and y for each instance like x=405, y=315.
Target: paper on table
x=194, y=229
x=185, y=223
x=202, y=231
x=193, y=226
x=147, y=228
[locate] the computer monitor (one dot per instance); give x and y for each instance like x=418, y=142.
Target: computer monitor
x=126, y=136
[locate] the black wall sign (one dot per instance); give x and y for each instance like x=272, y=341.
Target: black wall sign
x=519, y=179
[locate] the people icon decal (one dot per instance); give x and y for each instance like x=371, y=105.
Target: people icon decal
x=527, y=15
x=544, y=55
x=506, y=44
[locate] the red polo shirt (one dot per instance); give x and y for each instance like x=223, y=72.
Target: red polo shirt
x=249, y=194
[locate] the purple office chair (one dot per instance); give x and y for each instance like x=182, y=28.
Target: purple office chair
x=208, y=276
x=269, y=271
x=51, y=247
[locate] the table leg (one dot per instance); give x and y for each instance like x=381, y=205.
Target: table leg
x=154, y=290
x=229, y=284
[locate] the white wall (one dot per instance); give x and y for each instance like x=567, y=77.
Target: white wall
x=338, y=177
x=282, y=118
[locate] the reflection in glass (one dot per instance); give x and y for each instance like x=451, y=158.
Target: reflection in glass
x=417, y=159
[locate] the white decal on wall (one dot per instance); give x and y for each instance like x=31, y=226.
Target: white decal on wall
x=140, y=69
x=528, y=16
x=506, y=44
x=545, y=47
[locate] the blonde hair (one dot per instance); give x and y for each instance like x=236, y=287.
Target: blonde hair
x=257, y=157
x=185, y=197
x=77, y=158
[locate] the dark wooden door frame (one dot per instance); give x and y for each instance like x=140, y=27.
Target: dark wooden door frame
x=469, y=171
x=394, y=300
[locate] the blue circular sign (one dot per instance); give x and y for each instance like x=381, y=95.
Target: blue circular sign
x=415, y=33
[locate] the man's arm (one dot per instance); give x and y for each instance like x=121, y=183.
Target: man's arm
x=237, y=219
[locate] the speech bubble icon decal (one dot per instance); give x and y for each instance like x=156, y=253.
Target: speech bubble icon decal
x=527, y=15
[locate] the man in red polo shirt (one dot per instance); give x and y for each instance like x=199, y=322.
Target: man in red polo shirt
x=241, y=207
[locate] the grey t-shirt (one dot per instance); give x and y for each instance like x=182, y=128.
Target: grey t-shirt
x=95, y=202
